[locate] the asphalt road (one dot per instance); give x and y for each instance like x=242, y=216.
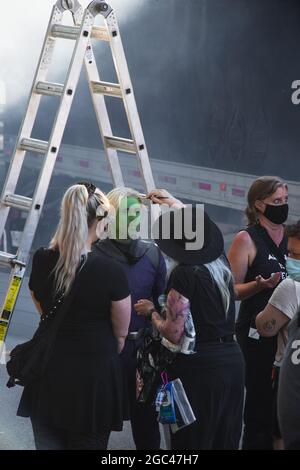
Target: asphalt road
x=15, y=432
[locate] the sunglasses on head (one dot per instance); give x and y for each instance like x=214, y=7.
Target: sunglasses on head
x=91, y=188
x=101, y=217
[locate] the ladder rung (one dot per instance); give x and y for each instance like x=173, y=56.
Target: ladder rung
x=72, y=32
x=100, y=33
x=49, y=89
x=106, y=88
x=34, y=145
x=6, y=258
x=124, y=145
x=20, y=202
x=65, y=32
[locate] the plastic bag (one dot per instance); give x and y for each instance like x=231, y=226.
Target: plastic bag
x=183, y=410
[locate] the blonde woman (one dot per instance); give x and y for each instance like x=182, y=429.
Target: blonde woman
x=77, y=403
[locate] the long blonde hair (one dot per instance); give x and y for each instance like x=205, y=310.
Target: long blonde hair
x=79, y=209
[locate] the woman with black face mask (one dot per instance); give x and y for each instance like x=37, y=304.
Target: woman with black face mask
x=257, y=257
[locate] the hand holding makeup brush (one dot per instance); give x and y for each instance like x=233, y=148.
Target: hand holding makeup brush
x=162, y=196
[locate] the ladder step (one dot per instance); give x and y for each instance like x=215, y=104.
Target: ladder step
x=6, y=259
x=49, y=89
x=106, y=88
x=34, y=145
x=20, y=202
x=9, y=260
x=118, y=143
x=99, y=33
x=65, y=32
x=72, y=32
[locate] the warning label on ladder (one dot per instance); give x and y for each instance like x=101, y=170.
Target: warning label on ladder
x=9, y=304
x=3, y=328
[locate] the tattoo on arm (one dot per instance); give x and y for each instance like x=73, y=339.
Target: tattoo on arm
x=177, y=306
x=270, y=325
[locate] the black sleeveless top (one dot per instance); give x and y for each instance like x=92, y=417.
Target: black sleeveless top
x=269, y=259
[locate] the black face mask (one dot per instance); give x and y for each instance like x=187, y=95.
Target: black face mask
x=277, y=214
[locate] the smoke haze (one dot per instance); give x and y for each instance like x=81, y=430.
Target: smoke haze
x=22, y=28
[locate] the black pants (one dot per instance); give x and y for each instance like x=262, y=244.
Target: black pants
x=258, y=414
x=214, y=385
x=48, y=438
x=143, y=417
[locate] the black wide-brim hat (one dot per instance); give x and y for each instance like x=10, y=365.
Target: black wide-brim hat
x=170, y=235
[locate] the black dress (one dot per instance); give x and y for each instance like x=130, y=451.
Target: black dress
x=82, y=388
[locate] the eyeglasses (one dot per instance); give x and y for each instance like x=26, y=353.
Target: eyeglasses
x=91, y=188
x=101, y=217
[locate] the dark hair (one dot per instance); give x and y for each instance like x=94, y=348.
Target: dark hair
x=259, y=190
x=293, y=230
x=91, y=188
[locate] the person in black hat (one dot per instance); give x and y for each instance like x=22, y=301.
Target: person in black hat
x=213, y=372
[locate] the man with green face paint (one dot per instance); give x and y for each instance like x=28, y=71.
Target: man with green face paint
x=128, y=216
x=146, y=273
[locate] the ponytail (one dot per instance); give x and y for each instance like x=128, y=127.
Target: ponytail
x=70, y=237
x=78, y=212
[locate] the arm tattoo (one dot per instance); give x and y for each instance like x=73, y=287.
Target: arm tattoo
x=269, y=326
x=178, y=306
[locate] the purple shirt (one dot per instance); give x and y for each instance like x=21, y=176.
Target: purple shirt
x=145, y=282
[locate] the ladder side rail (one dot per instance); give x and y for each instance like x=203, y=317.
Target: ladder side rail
x=102, y=118
x=18, y=155
x=122, y=71
x=56, y=136
x=18, y=270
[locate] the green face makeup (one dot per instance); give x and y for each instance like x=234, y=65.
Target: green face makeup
x=128, y=217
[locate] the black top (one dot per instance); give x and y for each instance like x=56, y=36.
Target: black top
x=207, y=308
x=82, y=389
x=269, y=259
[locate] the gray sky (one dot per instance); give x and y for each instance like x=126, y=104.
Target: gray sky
x=22, y=28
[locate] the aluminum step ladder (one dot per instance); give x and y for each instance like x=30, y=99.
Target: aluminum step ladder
x=82, y=32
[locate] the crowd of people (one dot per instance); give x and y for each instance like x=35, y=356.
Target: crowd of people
x=241, y=379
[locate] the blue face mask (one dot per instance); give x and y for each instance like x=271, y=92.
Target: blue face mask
x=293, y=268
